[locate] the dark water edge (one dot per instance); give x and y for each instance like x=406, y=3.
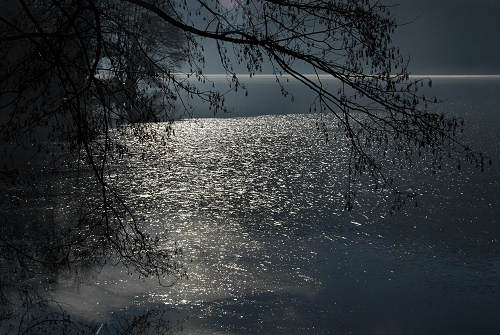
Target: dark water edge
x=433, y=267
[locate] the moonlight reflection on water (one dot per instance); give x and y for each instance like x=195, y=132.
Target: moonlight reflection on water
x=256, y=205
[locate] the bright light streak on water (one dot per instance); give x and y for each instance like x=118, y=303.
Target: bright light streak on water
x=256, y=203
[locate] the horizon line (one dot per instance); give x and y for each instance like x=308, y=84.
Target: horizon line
x=329, y=77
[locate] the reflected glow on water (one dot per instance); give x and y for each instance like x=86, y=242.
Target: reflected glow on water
x=238, y=195
x=256, y=204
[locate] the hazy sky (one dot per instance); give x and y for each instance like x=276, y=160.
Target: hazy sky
x=450, y=36
x=440, y=36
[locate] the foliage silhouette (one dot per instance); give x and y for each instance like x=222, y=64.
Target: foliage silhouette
x=75, y=71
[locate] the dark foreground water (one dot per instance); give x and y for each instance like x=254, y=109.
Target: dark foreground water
x=256, y=203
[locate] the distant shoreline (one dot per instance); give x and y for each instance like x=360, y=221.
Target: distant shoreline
x=328, y=77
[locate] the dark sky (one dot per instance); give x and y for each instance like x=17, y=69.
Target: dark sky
x=450, y=36
x=440, y=36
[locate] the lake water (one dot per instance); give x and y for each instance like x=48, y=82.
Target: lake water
x=255, y=200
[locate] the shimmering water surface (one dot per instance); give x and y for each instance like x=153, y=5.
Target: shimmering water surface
x=256, y=202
